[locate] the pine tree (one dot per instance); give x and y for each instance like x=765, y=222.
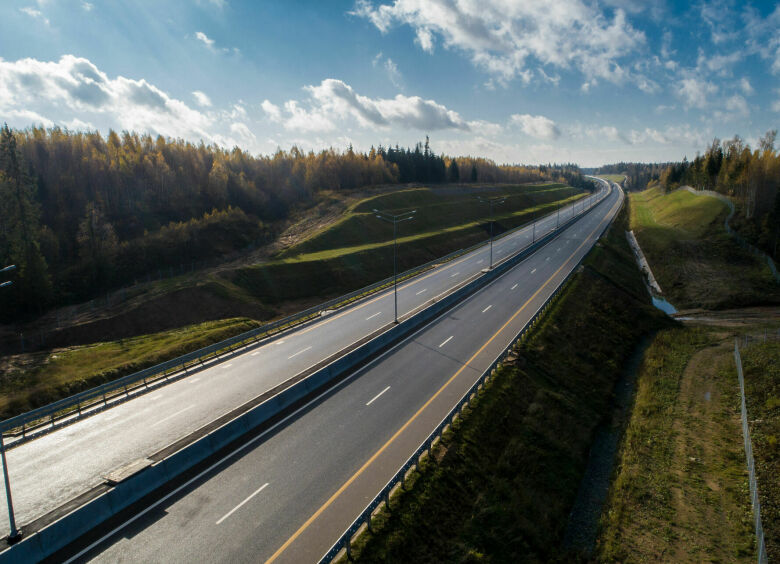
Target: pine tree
x=20, y=229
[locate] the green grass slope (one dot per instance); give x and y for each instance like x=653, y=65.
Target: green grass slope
x=697, y=263
x=502, y=488
x=357, y=250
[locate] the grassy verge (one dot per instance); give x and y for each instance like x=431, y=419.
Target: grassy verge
x=437, y=209
x=501, y=486
x=761, y=365
x=694, y=260
x=52, y=375
x=619, y=178
x=338, y=270
x=680, y=493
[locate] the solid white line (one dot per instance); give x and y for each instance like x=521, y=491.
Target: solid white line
x=243, y=447
x=229, y=513
x=280, y=342
x=534, y=270
x=171, y=416
x=192, y=380
x=447, y=340
x=240, y=449
x=487, y=308
x=421, y=291
x=373, y=316
x=377, y=396
x=513, y=287
x=454, y=275
x=299, y=352
x=255, y=353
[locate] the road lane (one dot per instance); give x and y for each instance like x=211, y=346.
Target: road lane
x=308, y=458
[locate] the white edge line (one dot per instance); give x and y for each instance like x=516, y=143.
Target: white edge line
x=376, y=397
x=237, y=507
x=252, y=441
x=487, y=308
x=373, y=316
x=243, y=447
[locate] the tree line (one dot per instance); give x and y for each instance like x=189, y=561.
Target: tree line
x=83, y=213
x=751, y=177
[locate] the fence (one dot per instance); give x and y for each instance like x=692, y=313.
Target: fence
x=43, y=419
x=762, y=558
x=345, y=540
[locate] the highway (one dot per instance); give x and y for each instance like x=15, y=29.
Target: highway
x=51, y=470
x=289, y=493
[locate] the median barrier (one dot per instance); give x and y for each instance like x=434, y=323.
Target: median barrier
x=56, y=535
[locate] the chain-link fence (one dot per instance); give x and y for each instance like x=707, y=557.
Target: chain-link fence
x=760, y=544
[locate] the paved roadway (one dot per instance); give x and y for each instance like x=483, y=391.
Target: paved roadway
x=290, y=493
x=53, y=469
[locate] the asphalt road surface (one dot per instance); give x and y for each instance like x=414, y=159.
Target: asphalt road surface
x=290, y=493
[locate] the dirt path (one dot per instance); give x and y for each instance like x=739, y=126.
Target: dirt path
x=708, y=463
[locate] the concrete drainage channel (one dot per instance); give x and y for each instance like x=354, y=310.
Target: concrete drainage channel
x=53, y=531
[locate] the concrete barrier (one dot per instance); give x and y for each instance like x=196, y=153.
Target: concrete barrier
x=73, y=525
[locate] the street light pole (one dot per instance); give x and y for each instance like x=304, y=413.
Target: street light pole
x=15, y=533
x=491, y=202
x=395, y=220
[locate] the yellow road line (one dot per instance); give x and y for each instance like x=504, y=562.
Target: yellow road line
x=368, y=463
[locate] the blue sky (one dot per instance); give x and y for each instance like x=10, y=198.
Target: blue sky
x=518, y=81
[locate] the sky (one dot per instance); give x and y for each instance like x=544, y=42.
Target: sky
x=517, y=81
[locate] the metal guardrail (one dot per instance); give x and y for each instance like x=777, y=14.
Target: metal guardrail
x=48, y=415
x=345, y=541
x=762, y=557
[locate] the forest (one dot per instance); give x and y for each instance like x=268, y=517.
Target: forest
x=82, y=214
x=751, y=177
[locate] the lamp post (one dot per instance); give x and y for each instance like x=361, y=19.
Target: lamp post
x=15, y=533
x=492, y=202
x=395, y=220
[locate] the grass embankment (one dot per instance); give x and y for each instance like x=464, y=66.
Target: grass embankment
x=761, y=366
x=680, y=493
x=619, y=178
x=501, y=486
x=357, y=250
x=697, y=263
x=52, y=375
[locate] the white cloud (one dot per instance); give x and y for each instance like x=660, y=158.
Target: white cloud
x=87, y=7
x=508, y=39
x=37, y=14
x=390, y=68
x=718, y=64
x=746, y=87
x=77, y=88
x=764, y=35
x=272, y=110
x=694, y=92
x=202, y=37
x=243, y=132
x=536, y=126
x=335, y=100
x=202, y=99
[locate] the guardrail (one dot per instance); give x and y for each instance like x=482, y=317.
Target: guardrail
x=51, y=532
x=46, y=417
x=345, y=541
x=762, y=557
